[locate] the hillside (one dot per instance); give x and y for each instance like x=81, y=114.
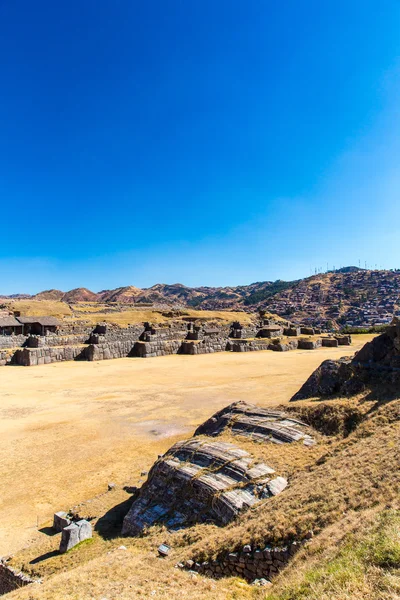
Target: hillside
x=347, y=297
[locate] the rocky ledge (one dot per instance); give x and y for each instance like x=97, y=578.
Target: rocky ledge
x=207, y=480
x=377, y=360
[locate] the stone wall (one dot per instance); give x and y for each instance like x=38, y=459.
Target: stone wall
x=12, y=580
x=12, y=341
x=75, y=329
x=156, y=348
x=116, y=335
x=248, y=564
x=109, y=350
x=248, y=345
x=330, y=342
x=39, y=341
x=205, y=346
x=284, y=346
x=29, y=357
x=305, y=344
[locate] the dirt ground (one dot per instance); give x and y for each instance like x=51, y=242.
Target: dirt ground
x=68, y=429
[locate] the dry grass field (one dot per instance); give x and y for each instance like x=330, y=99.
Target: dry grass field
x=68, y=429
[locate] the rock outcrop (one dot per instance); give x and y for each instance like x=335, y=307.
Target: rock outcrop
x=204, y=479
x=263, y=424
x=347, y=376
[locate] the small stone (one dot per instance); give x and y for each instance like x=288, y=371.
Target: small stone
x=163, y=550
x=111, y=487
x=309, y=535
x=247, y=548
x=121, y=547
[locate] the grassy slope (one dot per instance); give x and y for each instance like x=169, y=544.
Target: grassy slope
x=346, y=490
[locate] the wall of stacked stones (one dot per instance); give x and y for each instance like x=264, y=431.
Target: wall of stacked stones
x=155, y=348
x=106, y=351
x=12, y=580
x=116, y=335
x=206, y=346
x=247, y=346
x=165, y=333
x=29, y=357
x=248, y=564
x=37, y=341
x=12, y=341
x=73, y=329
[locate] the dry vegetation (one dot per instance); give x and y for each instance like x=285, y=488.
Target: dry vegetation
x=36, y=308
x=121, y=315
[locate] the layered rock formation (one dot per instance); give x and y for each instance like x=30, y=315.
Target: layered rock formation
x=203, y=479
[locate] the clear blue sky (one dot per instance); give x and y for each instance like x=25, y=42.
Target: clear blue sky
x=212, y=142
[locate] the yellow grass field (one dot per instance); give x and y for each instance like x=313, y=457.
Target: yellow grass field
x=68, y=429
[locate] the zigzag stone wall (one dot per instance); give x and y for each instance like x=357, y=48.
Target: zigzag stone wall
x=156, y=348
x=106, y=351
x=205, y=346
x=29, y=357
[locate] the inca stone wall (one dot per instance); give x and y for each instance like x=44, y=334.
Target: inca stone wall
x=106, y=351
x=12, y=341
x=156, y=348
x=204, y=346
x=38, y=341
x=239, y=345
x=12, y=580
x=29, y=357
x=248, y=564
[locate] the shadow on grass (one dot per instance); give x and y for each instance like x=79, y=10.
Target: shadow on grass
x=43, y=557
x=109, y=525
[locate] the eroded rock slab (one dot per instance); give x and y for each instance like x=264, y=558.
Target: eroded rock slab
x=255, y=422
x=205, y=479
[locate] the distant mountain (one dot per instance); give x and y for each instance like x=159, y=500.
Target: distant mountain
x=80, y=295
x=348, y=296
x=50, y=295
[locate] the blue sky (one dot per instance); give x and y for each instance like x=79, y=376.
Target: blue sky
x=218, y=142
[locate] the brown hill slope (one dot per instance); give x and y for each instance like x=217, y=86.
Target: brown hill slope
x=50, y=295
x=80, y=295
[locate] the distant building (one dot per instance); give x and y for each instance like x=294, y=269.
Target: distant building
x=39, y=325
